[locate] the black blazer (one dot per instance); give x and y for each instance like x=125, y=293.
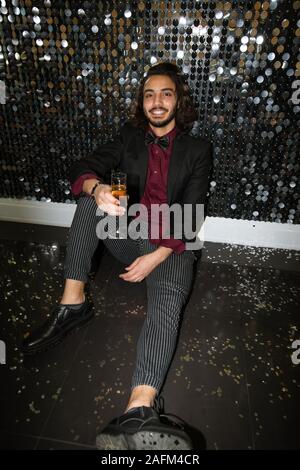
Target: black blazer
x=189, y=168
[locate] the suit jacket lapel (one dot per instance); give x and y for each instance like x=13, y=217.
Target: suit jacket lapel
x=176, y=160
x=142, y=153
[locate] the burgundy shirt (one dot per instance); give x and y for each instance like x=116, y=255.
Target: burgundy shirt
x=155, y=187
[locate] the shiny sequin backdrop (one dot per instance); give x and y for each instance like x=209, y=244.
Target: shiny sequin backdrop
x=70, y=71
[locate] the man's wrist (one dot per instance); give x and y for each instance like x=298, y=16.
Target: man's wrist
x=162, y=253
x=89, y=184
x=96, y=185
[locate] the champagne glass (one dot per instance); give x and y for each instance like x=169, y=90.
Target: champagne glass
x=118, y=184
x=118, y=189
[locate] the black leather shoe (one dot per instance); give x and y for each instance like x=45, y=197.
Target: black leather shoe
x=143, y=429
x=62, y=321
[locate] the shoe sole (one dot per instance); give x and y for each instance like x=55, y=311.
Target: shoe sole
x=72, y=329
x=142, y=440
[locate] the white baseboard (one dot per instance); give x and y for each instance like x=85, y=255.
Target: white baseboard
x=252, y=233
x=215, y=229
x=36, y=212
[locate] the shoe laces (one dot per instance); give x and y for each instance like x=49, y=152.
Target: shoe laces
x=159, y=405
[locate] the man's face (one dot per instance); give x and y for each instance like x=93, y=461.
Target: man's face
x=160, y=100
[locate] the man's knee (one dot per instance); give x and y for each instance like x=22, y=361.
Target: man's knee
x=86, y=201
x=176, y=293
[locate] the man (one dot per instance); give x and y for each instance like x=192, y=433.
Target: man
x=164, y=164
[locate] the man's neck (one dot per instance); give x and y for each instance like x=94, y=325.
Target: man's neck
x=161, y=131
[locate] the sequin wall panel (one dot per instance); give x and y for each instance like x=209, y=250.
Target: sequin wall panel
x=71, y=70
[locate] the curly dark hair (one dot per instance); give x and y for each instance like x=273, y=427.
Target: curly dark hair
x=186, y=113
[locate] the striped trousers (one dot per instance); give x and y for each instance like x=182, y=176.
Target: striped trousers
x=168, y=288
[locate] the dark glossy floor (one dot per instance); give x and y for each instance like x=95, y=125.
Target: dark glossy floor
x=232, y=377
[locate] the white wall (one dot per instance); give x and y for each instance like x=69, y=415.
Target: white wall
x=215, y=229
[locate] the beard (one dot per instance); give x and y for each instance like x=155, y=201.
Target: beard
x=166, y=121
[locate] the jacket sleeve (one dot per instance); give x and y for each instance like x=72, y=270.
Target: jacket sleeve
x=193, y=200
x=101, y=161
x=196, y=190
x=195, y=193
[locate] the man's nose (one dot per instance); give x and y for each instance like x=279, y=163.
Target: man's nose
x=157, y=99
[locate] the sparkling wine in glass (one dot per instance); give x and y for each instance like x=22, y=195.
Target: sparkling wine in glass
x=118, y=184
x=118, y=189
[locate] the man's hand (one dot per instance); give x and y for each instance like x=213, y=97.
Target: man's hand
x=106, y=201
x=144, y=265
x=103, y=197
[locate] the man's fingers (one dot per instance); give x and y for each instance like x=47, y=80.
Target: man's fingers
x=132, y=265
x=131, y=275
x=112, y=199
x=125, y=277
x=112, y=209
x=104, y=195
x=128, y=278
x=109, y=198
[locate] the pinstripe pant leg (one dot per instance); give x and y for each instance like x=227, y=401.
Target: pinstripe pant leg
x=125, y=250
x=83, y=241
x=168, y=288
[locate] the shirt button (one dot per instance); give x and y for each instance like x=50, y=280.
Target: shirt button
x=155, y=172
